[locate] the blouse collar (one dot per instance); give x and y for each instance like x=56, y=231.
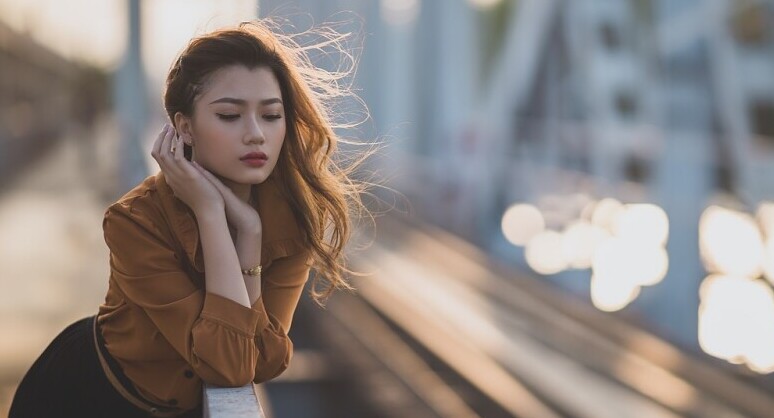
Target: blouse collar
x=279, y=227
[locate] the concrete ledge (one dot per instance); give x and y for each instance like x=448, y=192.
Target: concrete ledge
x=241, y=402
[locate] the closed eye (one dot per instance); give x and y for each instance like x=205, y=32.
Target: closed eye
x=227, y=117
x=272, y=117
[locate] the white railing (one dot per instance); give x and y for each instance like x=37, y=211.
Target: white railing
x=240, y=402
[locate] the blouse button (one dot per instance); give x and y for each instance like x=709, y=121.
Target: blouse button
x=154, y=410
x=189, y=374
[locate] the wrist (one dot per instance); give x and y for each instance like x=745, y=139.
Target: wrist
x=211, y=210
x=250, y=229
x=248, y=235
x=248, y=247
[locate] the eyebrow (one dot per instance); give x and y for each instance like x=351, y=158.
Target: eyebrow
x=242, y=102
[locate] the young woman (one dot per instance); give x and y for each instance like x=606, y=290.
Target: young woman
x=209, y=257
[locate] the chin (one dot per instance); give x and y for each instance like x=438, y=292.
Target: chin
x=253, y=179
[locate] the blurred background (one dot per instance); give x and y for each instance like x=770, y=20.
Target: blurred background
x=576, y=218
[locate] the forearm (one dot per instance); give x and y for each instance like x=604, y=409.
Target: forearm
x=221, y=264
x=248, y=249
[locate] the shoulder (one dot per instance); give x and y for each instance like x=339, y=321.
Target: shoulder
x=141, y=207
x=143, y=193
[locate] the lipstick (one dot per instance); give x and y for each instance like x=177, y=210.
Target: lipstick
x=254, y=159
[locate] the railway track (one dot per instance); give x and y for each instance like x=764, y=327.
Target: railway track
x=469, y=339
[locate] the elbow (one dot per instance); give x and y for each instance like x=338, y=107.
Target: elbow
x=230, y=380
x=267, y=371
x=265, y=377
x=276, y=352
x=239, y=381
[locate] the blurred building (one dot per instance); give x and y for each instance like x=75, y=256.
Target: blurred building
x=644, y=122
x=43, y=94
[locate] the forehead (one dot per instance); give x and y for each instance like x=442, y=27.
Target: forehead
x=238, y=81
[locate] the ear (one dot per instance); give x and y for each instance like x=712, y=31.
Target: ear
x=184, y=128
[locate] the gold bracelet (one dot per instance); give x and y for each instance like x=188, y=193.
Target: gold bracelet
x=254, y=272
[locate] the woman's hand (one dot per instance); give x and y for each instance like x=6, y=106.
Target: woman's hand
x=240, y=214
x=188, y=184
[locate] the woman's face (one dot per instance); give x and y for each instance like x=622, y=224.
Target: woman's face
x=240, y=112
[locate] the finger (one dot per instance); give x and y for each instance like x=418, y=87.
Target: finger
x=211, y=177
x=159, y=150
x=178, y=154
x=157, y=144
x=170, y=138
x=164, y=147
x=167, y=162
x=222, y=188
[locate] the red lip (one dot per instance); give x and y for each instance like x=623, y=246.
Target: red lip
x=255, y=156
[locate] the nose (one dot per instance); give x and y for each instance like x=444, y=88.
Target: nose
x=254, y=133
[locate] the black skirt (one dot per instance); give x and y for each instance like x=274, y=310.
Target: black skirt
x=67, y=380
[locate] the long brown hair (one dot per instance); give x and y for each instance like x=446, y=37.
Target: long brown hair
x=321, y=190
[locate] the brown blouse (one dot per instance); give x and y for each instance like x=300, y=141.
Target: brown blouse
x=161, y=326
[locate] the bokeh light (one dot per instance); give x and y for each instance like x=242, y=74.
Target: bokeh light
x=765, y=217
x=544, y=253
x=768, y=260
x=730, y=242
x=606, y=213
x=580, y=242
x=643, y=222
x=612, y=294
x=521, y=222
x=735, y=317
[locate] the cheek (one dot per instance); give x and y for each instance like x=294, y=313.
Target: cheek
x=212, y=127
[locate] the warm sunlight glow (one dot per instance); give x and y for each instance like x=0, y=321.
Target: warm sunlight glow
x=521, y=222
x=84, y=30
x=730, y=242
x=544, y=253
x=169, y=24
x=97, y=31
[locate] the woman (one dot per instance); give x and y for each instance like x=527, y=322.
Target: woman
x=209, y=256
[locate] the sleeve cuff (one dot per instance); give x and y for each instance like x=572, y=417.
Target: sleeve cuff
x=263, y=320
x=233, y=315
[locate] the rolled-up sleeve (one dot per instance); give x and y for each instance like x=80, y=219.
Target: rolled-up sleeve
x=215, y=335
